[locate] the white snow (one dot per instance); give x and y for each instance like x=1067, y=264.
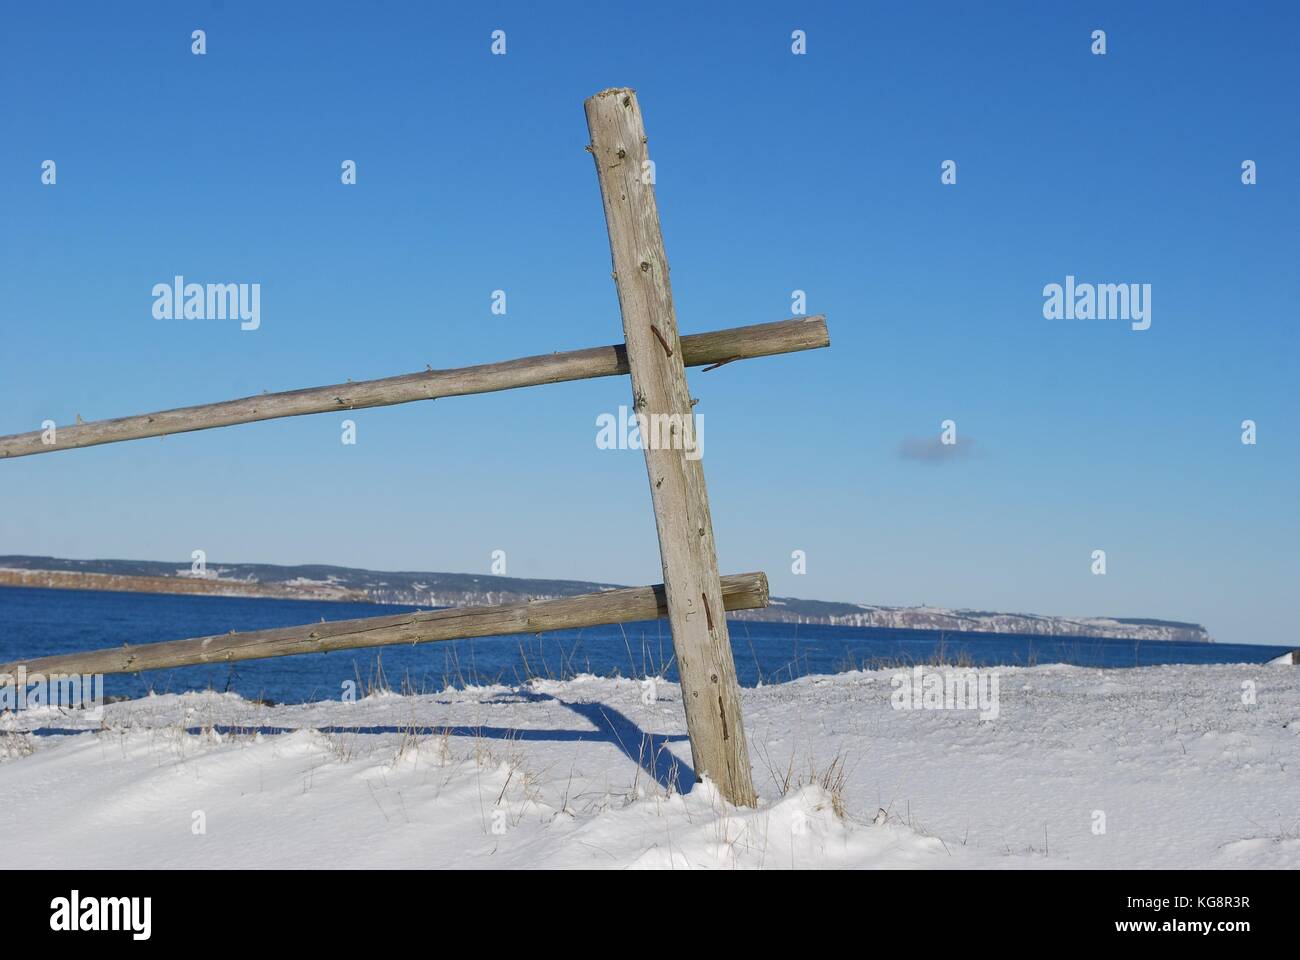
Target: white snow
x=1186, y=771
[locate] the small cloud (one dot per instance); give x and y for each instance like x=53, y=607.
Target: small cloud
x=932, y=450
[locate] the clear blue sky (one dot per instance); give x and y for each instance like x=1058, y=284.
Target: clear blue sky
x=775, y=172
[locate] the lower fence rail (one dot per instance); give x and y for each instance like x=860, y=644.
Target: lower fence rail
x=745, y=591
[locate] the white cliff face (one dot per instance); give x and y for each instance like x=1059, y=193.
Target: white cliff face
x=975, y=621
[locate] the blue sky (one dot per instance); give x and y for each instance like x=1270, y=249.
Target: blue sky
x=775, y=172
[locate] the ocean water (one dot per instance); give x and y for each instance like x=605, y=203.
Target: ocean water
x=37, y=622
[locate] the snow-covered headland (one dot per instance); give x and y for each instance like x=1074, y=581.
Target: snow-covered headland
x=1176, y=766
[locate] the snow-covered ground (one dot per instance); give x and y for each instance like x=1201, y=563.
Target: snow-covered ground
x=1151, y=767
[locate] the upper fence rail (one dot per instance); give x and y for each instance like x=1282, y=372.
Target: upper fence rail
x=715, y=347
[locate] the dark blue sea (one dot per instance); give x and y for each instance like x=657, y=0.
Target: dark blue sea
x=38, y=622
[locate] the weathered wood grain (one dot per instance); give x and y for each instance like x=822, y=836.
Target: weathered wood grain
x=681, y=505
x=719, y=346
x=741, y=592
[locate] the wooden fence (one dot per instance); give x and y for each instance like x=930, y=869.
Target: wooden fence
x=693, y=596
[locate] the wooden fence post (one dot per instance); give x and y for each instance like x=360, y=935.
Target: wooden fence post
x=710, y=691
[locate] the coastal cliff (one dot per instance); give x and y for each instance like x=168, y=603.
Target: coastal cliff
x=324, y=582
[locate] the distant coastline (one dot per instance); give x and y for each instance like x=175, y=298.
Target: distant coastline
x=201, y=586
x=332, y=583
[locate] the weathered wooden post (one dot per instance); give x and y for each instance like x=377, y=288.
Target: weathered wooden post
x=681, y=505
